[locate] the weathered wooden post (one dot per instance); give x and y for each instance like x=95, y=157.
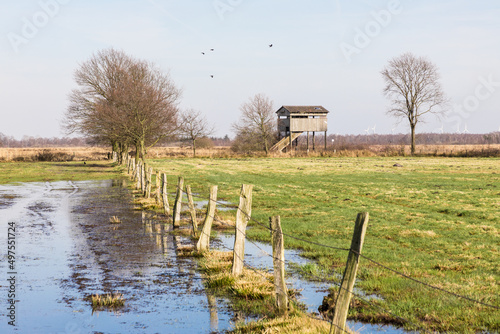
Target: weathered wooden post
x=158, y=188
x=132, y=167
x=204, y=240
x=143, y=176
x=242, y=218
x=166, y=206
x=148, y=182
x=192, y=210
x=178, y=203
x=139, y=174
x=349, y=278
x=279, y=264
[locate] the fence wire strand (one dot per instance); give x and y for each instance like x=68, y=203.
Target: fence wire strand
x=265, y=226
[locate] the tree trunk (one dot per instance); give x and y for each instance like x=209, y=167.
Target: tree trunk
x=412, y=126
x=194, y=148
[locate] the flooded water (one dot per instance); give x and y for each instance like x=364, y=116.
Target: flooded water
x=67, y=249
x=75, y=239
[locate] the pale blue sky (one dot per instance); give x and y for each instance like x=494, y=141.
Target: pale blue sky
x=326, y=53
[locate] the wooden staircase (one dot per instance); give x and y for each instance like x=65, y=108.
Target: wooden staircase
x=284, y=142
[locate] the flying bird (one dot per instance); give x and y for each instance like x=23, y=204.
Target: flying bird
x=203, y=53
x=270, y=45
x=211, y=75
x=211, y=49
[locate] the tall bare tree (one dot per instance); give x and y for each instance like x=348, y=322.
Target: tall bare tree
x=193, y=126
x=122, y=101
x=257, y=124
x=412, y=84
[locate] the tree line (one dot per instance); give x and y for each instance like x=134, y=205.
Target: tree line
x=124, y=102
x=339, y=141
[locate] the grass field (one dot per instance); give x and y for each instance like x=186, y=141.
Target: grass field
x=11, y=172
x=434, y=219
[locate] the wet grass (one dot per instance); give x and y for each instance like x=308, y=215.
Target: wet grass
x=11, y=172
x=106, y=301
x=434, y=219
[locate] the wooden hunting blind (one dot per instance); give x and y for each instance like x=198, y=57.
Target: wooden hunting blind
x=295, y=120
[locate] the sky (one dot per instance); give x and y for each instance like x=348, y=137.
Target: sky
x=327, y=53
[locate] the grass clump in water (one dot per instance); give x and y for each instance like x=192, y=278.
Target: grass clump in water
x=107, y=301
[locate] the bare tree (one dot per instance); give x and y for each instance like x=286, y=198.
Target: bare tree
x=257, y=124
x=412, y=83
x=193, y=126
x=122, y=101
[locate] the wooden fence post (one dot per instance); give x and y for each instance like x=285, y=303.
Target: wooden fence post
x=148, y=182
x=242, y=218
x=132, y=167
x=139, y=174
x=143, y=176
x=204, y=240
x=166, y=207
x=178, y=203
x=349, y=278
x=279, y=264
x=158, y=188
x=192, y=210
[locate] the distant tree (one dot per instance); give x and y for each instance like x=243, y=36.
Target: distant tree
x=122, y=101
x=412, y=83
x=194, y=126
x=257, y=125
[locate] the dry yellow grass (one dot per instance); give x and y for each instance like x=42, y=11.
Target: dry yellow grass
x=66, y=153
x=101, y=153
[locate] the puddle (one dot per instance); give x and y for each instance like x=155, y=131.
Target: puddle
x=259, y=255
x=67, y=248
x=200, y=203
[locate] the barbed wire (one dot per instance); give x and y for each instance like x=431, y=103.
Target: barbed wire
x=404, y=320
x=345, y=249
x=374, y=262
x=279, y=288
x=426, y=284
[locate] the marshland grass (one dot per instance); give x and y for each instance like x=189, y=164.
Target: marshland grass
x=434, y=219
x=108, y=300
x=253, y=293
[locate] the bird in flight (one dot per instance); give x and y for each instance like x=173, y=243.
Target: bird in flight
x=203, y=53
x=211, y=75
x=211, y=49
x=270, y=45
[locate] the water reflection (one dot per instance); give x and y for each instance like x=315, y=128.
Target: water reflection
x=71, y=249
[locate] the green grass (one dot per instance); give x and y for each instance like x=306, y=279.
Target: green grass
x=11, y=172
x=434, y=219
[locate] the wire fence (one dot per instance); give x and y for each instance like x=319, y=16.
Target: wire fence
x=401, y=319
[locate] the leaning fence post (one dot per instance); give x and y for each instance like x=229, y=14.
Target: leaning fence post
x=279, y=263
x=345, y=294
x=242, y=218
x=178, y=203
x=192, y=210
x=204, y=240
x=166, y=207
